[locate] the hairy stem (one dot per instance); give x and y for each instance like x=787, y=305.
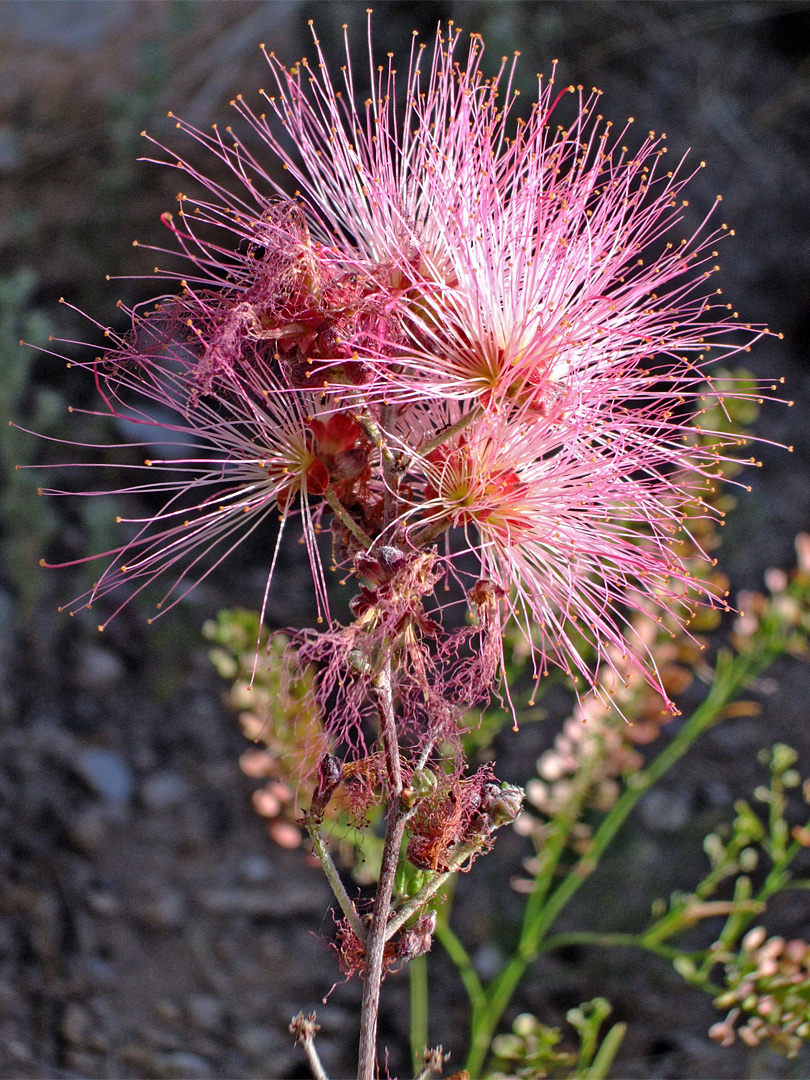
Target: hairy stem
x=375, y=942
x=397, y=812
x=395, y=828
x=392, y=473
x=377, y=433
x=448, y=432
x=461, y=854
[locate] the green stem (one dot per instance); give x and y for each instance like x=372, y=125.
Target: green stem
x=418, y=985
x=332, y=876
x=449, y=431
x=377, y=433
x=608, y=1050
x=608, y=940
x=740, y=919
x=486, y=1017
x=339, y=510
x=631, y=941
x=682, y=918
x=731, y=675
x=461, y=960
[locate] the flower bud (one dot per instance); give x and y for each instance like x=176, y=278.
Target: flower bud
x=330, y=773
x=423, y=783
x=502, y=805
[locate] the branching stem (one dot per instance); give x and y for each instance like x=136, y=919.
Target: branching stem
x=395, y=828
x=462, y=852
x=449, y=431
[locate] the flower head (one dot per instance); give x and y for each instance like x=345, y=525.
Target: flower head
x=468, y=321
x=224, y=457
x=574, y=531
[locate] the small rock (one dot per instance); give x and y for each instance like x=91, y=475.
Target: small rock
x=8, y=612
x=163, y=791
x=665, y=811
x=205, y=1012
x=102, y=903
x=88, y=831
x=99, y=972
x=18, y=1049
x=8, y=947
x=161, y=909
x=106, y=773
x=718, y=793
x=488, y=960
x=256, y=1041
x=265, y=901
x=182, y=1065
x=81, y=1063
x=76, y=1024
x=11, y=156
x=98, y=668
x=167, y=1010
x=256, y=869
x=171, y=1065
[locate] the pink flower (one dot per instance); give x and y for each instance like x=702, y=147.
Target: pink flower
x=465, y=319
x=227, y=451
x=573, y=532
x=530, y=250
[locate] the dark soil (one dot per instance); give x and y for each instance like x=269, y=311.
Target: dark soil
x=148, y=925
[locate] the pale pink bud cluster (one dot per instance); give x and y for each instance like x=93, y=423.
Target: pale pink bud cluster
x=768, y=985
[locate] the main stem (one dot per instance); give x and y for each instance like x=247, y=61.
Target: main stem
x=395, y=827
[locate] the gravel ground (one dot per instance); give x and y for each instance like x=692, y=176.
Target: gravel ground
x=148, y=926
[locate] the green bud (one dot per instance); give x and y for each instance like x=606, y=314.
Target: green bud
x=782, y=757
x=685, y=967
x=505, y=806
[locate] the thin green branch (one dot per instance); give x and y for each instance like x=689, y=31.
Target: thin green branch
x=684, y=918
x=775, y=881
x=333, y=877
x=609, y=1048
x=463, y=964
x=339, y=510
x=377, y=435
x=732, y=674
x=418, y=987
x=410, y=907
x=449, y=431
x=607, y=940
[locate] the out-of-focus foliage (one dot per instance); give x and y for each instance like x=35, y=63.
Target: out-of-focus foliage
x=278, y=714
x=29, y=522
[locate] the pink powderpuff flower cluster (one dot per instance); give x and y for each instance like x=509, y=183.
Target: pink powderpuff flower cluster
x=472, y=329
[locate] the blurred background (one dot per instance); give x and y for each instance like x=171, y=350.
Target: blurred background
x=148, y=926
